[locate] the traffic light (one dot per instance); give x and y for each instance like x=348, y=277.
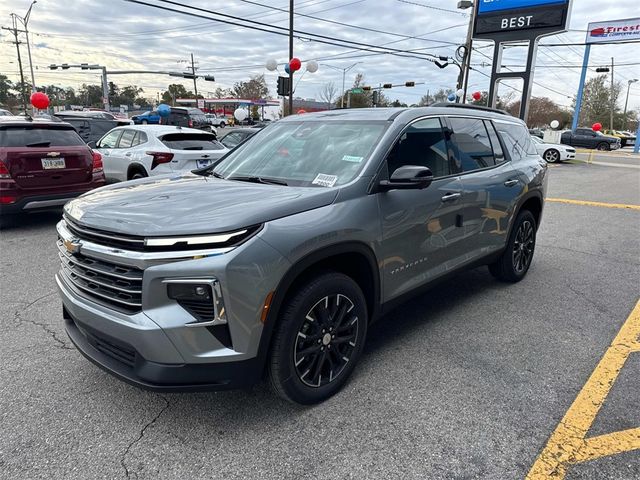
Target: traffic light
x=366, y=88
x=53, y=66
x=409, y=84
x=209, y=78
x=602, y=69
x=376, y=97
x=65, y=66
x=190, y=76
x=84, y=66
x=387, y=85
x=284, y=86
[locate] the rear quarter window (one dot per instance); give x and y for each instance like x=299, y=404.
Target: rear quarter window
x=39, y=137
x=516, y=139
x=191, y=141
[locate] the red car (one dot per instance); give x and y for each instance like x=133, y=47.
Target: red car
x=43, y=164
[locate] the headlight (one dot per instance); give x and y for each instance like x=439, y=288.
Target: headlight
x=202, y=298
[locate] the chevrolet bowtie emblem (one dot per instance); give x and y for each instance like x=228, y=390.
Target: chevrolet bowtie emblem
x=53, y=154
x=71, y=246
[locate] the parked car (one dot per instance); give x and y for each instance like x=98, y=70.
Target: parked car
x=236, y=136
x=553, y=152
x=93, y=114
x=215, y=120
x=626, y=138
x=147, y=150
x=43, y=164
x=188, y=117
x=90, y=129
x=5, y=113
x=536, y=132
x=587, y=138
x=280, y=256
x=145, y=118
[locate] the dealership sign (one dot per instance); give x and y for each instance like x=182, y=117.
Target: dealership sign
x=614, y=31
x=519, y=19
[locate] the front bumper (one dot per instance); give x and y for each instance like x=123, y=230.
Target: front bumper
x=120, y=348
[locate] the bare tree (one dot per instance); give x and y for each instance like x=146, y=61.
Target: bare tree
x=328, y=93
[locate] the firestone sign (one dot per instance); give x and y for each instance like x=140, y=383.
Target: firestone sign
x=614, y=31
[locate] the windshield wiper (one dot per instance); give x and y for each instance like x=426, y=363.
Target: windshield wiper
x=38, y=144
x=193, y=148
x=256, y=179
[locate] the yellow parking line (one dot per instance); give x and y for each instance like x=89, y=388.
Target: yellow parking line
x=568, y=445
x=594, y=204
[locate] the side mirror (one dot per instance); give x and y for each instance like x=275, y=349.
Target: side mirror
x=92, y=144
x=408, y=177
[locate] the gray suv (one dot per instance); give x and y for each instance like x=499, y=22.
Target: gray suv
x=276, y=259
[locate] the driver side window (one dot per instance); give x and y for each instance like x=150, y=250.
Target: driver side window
x=422, y=143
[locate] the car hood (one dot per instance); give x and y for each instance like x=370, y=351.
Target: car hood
x=190, y=204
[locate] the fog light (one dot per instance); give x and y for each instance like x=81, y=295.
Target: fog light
x=201, y=298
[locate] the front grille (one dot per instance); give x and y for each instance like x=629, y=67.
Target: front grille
x=126, y=242
x=110, y=284
x=205, y=312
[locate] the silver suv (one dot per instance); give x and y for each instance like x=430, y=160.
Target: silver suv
x=276, y=259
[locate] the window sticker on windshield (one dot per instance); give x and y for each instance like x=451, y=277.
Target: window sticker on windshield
x=352, y=158
x=325, y=180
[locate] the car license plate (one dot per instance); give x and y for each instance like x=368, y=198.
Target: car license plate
x=202, y=163
x=52, y=163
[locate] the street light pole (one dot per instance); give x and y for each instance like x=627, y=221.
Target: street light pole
x=25, y=22
x=290, y=57
x=463, y=78
x=14, y=30
x=626, y=104
x=344, y=73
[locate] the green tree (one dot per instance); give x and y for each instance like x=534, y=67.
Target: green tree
x=542, y=111
x=253, y=89
x=597, y=100
x=175, y=90
x=6, y=87
x=360, y=100
x=90, y=95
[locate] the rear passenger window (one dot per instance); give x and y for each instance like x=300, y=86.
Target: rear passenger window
x=495, y=143
x=516, y=139
x=126, y=141
x=472, y=141
x=422, y=144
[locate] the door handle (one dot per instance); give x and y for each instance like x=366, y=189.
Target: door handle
x=128, y=154
x=450, y=197
x=510, y=183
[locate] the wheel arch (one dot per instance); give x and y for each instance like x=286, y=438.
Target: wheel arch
x=534, y=203
x=136, y=167
x=355, y=259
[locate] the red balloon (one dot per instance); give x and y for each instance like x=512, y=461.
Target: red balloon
x=476, y=95
x=295, y=64
x=596, y=127
x=39, y=100
x=301, y=111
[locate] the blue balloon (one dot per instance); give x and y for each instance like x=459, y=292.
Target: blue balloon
x=452, y=97
x=286, y=68
x=164, y=110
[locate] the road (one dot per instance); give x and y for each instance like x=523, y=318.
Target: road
x=469, y=381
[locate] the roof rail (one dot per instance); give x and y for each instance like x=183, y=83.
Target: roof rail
x=473, y=107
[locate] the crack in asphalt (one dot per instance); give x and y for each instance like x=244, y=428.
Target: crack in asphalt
x=123, y=458
x=17, y=317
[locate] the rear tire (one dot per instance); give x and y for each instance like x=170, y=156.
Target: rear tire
x=222, y=125
x=603, y=147
x=144, y=122
x=514, y=263
x=319, y=338
x=136, y=174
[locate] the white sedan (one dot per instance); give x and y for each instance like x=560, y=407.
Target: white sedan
x=139, y=151
x=553, y=152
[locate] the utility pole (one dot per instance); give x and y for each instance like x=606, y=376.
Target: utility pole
x=193, y=71
x=626, y=104
x=25, y=22
x=15, y=31
x=463, y=77
x=613, y=101
x=290, y=56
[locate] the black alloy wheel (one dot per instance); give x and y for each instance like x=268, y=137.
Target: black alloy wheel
x=318, y=338
x=603, y=147
x=523, y=247
x=326, y=340
x=552, y=155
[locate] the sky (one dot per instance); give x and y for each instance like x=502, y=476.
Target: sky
x=124, y=36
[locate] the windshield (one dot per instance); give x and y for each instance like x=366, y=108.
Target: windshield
x=310, y=153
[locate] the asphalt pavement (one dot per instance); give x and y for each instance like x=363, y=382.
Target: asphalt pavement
x=468, y=381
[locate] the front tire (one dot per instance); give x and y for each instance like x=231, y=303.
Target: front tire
x=318, y=339
x=552, y=155
x=603, y=147
x=514, y=263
